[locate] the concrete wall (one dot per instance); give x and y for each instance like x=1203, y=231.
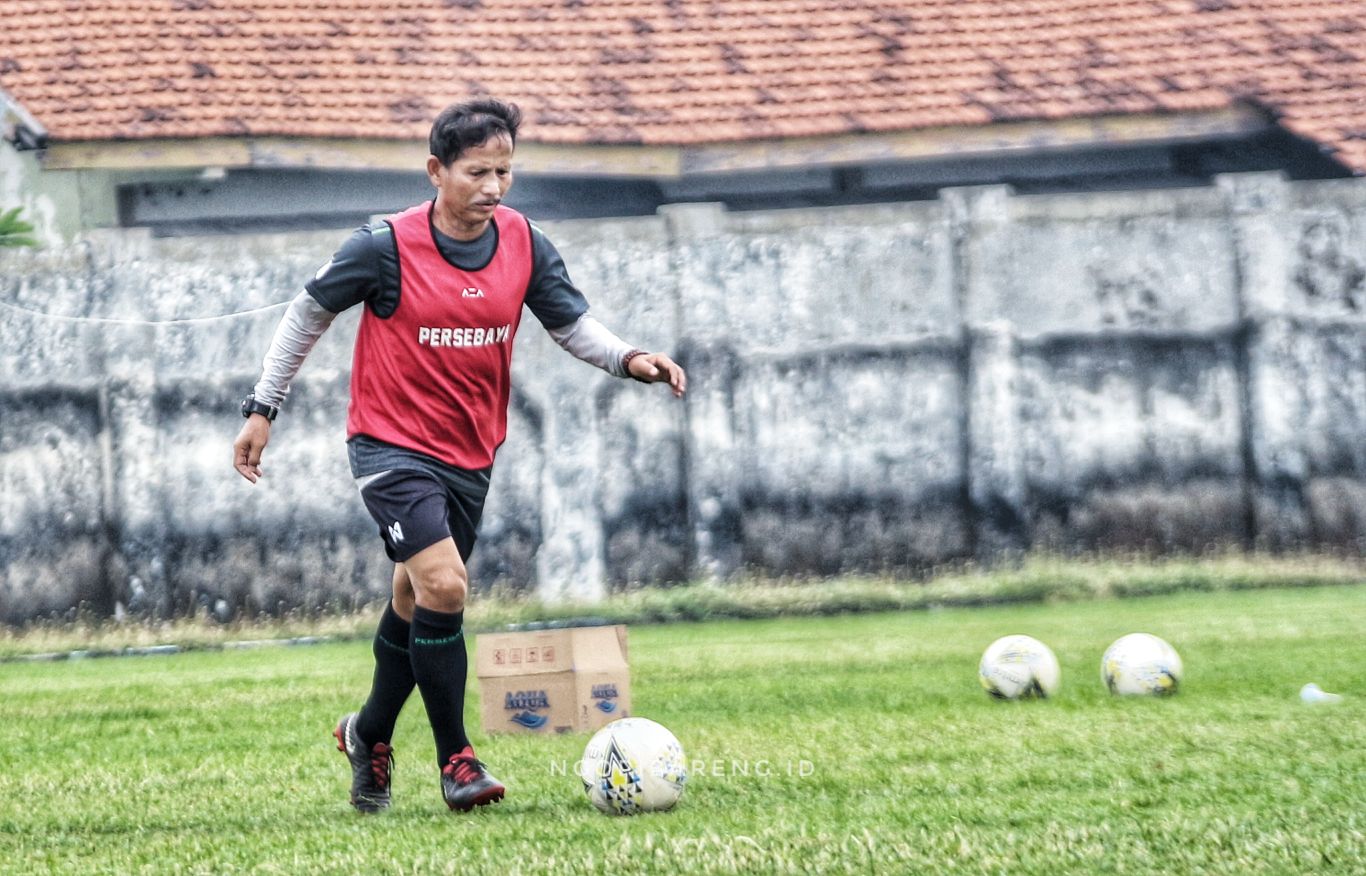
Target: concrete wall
x=873, y=388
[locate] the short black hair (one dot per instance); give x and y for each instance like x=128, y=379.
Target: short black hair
x=471, y=123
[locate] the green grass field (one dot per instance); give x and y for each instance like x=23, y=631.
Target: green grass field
x=857, y=744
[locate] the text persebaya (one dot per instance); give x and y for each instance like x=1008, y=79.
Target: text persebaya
x=433, y=336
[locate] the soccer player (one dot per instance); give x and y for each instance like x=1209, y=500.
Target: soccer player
x=443, y=284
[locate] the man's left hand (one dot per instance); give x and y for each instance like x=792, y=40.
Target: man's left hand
x=658, y=368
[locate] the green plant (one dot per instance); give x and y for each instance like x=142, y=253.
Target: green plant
x=14, y=231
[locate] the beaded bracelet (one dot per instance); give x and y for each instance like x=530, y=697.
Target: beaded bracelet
x=626, y=363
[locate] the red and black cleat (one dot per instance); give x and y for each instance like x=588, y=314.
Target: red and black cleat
x=466, y=783
x=370, y=768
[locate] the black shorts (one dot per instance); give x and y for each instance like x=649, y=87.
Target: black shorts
x=415, y=510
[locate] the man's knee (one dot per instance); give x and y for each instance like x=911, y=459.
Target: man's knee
x=441, y=589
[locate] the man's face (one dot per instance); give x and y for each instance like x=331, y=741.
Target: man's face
x=472, y=185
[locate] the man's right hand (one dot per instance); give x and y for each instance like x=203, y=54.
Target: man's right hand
x=247, y=449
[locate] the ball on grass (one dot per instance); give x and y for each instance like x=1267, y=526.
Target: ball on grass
x=1141, y=664
x=633, y=765
x=1019, y=667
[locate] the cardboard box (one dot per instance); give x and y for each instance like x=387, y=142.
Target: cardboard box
x=553, y=681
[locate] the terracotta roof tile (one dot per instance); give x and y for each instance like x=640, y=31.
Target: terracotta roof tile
x=675, y=71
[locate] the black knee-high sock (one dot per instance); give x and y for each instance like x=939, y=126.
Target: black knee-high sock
x=393, y=679
x=440, y=664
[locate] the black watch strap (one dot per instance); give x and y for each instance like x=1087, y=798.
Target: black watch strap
x=251, y=406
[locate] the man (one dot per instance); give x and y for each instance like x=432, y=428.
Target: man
x=443, y=285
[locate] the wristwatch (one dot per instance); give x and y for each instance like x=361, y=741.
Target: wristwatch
x=251, y=406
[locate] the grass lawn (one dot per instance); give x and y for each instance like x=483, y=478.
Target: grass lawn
x=857, y=743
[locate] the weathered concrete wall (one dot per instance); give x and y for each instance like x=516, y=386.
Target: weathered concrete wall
x=874, y=388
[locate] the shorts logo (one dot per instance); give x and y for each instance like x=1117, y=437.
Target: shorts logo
x=396, y=531
x=471, y=292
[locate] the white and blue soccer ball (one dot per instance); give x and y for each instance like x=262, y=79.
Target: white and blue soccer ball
x=633, y=765
x=1141, y=664
x=1019, y=667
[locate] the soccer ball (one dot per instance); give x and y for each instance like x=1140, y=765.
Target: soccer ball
x=1139, y=664
x=1015, y=667
x=633, y=765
